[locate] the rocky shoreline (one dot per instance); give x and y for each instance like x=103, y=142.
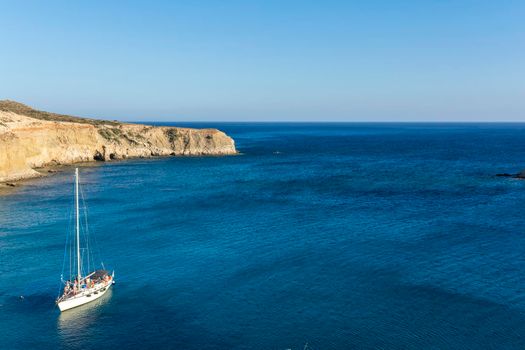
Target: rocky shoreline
x=32, y=139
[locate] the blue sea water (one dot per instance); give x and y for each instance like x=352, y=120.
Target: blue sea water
x=342, y=236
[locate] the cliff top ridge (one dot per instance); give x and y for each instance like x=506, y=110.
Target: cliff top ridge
x=22, y=109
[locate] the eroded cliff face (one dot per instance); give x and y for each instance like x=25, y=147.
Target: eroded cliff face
x=32, y=139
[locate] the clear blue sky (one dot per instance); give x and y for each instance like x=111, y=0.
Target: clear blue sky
x=269, y=60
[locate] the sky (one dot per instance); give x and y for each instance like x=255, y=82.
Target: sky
x=373, y=60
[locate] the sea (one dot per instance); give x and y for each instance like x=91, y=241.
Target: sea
x=316, y=236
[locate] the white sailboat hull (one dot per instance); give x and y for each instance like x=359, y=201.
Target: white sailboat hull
x=78, y=289
x=84, y=297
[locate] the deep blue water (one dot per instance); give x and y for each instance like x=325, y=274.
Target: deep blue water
x=345, y=236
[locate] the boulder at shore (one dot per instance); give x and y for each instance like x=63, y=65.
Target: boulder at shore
x=32, y=139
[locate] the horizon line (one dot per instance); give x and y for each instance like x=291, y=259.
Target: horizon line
x=330, y=121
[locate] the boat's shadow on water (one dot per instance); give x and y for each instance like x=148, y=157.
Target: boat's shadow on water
x=74, y=322
x=31, y=303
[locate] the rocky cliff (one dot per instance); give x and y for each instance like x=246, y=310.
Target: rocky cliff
x=31, y=139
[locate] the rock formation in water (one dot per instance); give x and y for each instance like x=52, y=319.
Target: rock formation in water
x=31, y=139
x=520, y=175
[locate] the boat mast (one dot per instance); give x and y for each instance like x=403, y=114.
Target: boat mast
x=77, y=226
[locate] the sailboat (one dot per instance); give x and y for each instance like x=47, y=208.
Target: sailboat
x=84, y=285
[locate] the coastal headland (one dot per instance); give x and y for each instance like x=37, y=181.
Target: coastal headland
x=31, y=139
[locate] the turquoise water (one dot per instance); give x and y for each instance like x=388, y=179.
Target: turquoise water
x=362, y=236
